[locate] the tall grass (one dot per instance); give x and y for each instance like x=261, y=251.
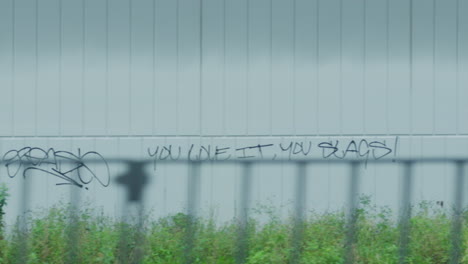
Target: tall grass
x=100, y=239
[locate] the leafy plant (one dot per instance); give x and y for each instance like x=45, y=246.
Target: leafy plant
x=3, y=202
x=100, y=239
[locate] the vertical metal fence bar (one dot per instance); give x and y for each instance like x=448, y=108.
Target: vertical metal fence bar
x=139, y=237
x=405, y=212
x=73, y=225
x=23, y=252
x=134, y=180
x=457, y=221
x=193, y=189
x=300, y=206
x=352, y=213
x=242, y=249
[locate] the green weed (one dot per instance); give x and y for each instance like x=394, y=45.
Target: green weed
x=87, y=236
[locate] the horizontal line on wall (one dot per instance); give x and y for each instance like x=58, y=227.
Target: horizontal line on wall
x=234, y=136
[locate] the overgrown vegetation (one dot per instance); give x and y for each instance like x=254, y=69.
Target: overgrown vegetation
x=100, y=239
x=3, y=203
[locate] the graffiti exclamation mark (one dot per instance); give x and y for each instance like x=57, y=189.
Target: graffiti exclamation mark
x=395, y=149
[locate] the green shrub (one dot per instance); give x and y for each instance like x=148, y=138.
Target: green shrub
x=3, y=202
x=100, y=239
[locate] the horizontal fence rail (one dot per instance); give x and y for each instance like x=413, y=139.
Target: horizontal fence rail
x=135, y=179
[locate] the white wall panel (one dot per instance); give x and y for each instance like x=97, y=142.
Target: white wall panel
x=49, y=79
x=445, y=68
x=167, y=65
x=109, y=147
x=96, y=88
x=329, y=97
x=121, y=76
x=462, y=66
x=236, y=67
x=399, y=68
x=213, y=68
x=259, y=67
x=189, y=61
x=72, y=67
x=306, y=67
x=142, y=68
x=375, y=83
x=25, y=68
x=353, y=66
x=423, y=66
x=283, y=67
x=6, y=67
x=118, y=101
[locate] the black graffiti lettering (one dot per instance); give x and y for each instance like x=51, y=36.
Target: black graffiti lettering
x=169, y=153
x=153, y=154
x=299, y=148
x=189, y=154
x=244, y=155
x=32, y=158
x=379, y=146
x=395, y=149
x=288, y=148
x=327, y=146
x=221, y=151
x=206, y=151
x=365, y=154
x=259, y=147
x=357, y=149
x=352, y=147
x=335, y=153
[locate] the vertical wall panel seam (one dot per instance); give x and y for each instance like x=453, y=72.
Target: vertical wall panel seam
x=411, y=66
x=434, y=68
x=200, y=94
x=60, y=67
x=107, y=70
x=211, y=177
x=224, y=69
x=153, y=75
x=164, y=176
x=317, y=63
x=247, y=67
x=13, y=74
x=94, y=149
x=36, y=64
x=130, y=130
x=177, y=68
x=387, y=64
x=270, y=70
x=47, y=178
x=364, y=71
x=457, y=62
x=421, y=180
x=341, y=66
x=444, y=176
x=294, y=56
x=83, y=68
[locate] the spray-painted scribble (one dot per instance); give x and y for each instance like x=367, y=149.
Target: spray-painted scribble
x=65, y=165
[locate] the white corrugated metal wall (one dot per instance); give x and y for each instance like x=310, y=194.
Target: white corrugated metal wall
x=122, y=76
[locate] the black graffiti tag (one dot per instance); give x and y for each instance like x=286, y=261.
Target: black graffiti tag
x=61, y=164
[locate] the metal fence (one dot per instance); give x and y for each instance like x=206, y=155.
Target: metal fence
x=135, y=179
